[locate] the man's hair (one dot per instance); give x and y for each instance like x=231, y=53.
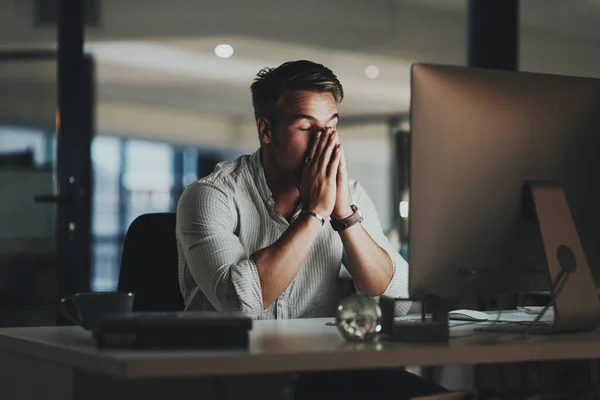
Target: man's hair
x=271, y=84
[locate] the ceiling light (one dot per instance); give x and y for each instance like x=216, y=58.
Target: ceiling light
x=405, y=126
x=224, y=51
x=372, y=71
x=170, y=59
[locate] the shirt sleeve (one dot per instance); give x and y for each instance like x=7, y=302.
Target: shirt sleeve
x=215, y=257
x=398, y=286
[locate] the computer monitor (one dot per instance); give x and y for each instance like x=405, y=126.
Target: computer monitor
x=494, y=156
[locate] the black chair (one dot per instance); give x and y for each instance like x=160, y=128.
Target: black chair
x=149, y=264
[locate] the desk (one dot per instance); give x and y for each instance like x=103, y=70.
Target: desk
x=64, y=363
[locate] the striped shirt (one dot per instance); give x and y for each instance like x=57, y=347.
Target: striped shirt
x=227, y=216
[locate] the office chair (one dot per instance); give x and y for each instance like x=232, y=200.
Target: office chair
x=149, y=263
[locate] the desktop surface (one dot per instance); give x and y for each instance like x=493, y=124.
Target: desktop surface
x=293, y=345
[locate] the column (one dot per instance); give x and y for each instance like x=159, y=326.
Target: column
x=493, y=34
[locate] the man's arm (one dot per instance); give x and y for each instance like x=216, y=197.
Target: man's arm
x=216, y=259
x=278, y=264
x=367, y=262
x=376, y=267
x=218, y=262
x=370, y=266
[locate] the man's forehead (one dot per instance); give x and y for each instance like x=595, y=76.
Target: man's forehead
x=316, y=104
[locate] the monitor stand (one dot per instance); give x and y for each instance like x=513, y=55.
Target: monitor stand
x=576, y=308
x=434, y=328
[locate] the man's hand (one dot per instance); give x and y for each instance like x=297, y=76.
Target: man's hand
x=342, y=208
x=318, y=183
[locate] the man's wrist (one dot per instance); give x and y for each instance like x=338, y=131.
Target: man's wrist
x=312, y=214
x=345, y=223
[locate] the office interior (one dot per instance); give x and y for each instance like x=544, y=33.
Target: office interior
x=168, y=89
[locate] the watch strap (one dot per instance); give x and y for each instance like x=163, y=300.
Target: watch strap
x=341, y=224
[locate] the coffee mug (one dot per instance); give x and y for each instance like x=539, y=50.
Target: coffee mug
x=84, y=309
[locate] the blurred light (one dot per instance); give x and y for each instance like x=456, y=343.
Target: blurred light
x=372, y=71
x=57, y=120
x=404, y=209
x=224, y=51
x=405, y=126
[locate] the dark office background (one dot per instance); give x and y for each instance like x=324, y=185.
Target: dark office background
x=146, y=101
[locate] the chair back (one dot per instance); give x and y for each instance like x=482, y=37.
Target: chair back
x=149, y=263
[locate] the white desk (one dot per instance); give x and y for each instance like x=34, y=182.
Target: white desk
x=65, y=361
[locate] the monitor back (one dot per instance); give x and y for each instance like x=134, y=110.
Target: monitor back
x=477, y=136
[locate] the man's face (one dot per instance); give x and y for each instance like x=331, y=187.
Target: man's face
x=304, y=113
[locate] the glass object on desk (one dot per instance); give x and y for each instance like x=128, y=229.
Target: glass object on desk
x=358, y=318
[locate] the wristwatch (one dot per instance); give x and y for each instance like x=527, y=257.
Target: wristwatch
x=341, y=224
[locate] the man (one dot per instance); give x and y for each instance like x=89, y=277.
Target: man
x=267, y=234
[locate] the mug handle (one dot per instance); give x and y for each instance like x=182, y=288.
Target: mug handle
x=69, y=310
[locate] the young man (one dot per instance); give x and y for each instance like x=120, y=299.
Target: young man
x=267, y=234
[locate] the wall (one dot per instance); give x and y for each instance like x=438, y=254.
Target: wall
x=161, y=123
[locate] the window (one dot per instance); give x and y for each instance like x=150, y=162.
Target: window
x=148, y=179
x=20, y=140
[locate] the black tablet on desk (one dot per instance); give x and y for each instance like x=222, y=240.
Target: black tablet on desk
x=197, y=329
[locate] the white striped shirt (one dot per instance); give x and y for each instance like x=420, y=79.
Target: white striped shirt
x=227, y=216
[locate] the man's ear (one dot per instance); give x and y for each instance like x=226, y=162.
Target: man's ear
x=265, y=134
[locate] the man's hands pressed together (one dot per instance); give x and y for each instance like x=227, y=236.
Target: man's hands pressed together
x=342, y=208
x=319, y=176
x=326, y=171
